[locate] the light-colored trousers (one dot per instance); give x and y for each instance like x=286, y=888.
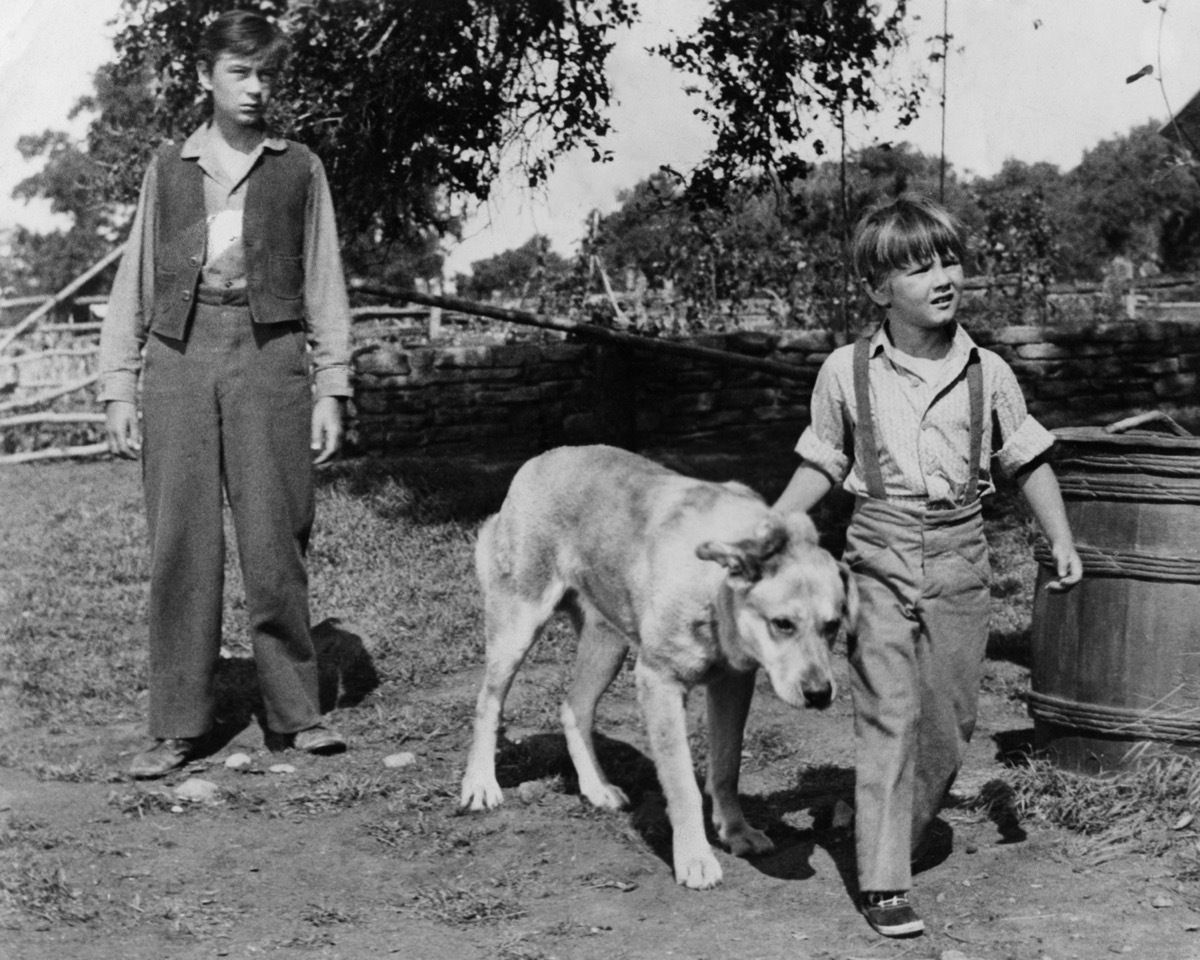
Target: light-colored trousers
x=922, y=578
x=228, y=412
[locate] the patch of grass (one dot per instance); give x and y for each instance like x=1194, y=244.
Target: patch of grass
x=31, y=890
x=341, y=790
x=1146, y=808
x=466, y=904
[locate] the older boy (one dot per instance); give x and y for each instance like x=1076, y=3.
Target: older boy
x=908, y=420
x=231, y=264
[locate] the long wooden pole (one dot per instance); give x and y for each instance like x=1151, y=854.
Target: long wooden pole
x=588, y=331
x=62, y=295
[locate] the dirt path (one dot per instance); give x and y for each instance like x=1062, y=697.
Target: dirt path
x=347, y=858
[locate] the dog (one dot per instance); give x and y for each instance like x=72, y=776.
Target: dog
x=700, y=578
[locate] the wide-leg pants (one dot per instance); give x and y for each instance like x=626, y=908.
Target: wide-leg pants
x=228, y=410
x=922, y=579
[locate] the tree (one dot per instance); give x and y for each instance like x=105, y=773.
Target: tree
x=409, y=104
x=530, y=269
x=1134, y=200
x=771, y=70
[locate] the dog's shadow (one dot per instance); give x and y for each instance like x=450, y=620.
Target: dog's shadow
x=346, y=674
x=816, y=794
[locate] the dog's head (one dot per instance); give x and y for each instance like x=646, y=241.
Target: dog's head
x=788, y=598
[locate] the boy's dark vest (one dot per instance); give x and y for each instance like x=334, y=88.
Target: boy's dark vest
x=272, y=233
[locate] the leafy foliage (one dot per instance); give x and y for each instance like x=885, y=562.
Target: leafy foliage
x=531, y=268
x=770, y=71
x=409, y=104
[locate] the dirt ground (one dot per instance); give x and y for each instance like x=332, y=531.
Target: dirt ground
x=347, y=857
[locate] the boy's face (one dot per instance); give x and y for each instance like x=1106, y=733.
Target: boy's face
x=925, y=294
x=241, y=88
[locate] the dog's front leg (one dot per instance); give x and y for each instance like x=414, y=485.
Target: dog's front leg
x=662, y=700
x=729, y=696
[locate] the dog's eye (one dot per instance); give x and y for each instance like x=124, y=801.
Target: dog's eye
x=783, y=625
x=830, y=630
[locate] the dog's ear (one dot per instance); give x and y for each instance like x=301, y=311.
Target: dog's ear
x=850, y=586
x=744, y=559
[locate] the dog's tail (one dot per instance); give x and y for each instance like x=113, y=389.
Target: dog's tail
x=485, y=553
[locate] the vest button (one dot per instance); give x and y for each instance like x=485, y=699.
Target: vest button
x=194, y=261
x=186, y=295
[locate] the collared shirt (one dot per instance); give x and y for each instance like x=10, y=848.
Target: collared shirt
x=922, y=427
x=127, y=320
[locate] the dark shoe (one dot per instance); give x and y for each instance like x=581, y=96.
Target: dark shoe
x=891, y=914
x=319, y=739
x=162, y=758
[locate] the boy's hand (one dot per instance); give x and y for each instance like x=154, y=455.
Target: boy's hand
x=1067, y=565
x=326, y=428
x=123, y=433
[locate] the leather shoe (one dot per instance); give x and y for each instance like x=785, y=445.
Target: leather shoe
x=319, y=739
x=162, y=758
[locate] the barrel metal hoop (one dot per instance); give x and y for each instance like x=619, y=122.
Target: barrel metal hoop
x=1114, y=721
x=1119, y=563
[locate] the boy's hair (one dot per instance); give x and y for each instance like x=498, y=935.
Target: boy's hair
x=907, y=229
x=242, y=34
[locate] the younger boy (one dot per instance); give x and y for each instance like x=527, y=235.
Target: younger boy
x=909, y=421
x=231, y=264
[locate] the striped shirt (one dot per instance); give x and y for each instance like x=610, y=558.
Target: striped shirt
x=922, y=426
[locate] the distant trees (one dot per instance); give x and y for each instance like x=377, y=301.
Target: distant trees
x=530, y=270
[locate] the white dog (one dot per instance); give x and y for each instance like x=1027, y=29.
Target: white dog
x=701, y=578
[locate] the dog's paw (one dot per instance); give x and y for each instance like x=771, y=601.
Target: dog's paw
x=747, y=842
x=698, y=871
x=480, y=795
x=606, y=796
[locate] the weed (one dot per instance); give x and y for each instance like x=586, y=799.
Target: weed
x=341, y=790
x=142, y=803
x=465, y=905
x=1135, y=809
x=40, y=891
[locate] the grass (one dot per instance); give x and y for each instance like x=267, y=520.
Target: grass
x=392, y=559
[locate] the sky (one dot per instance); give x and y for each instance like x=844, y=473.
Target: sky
x=1035, y=80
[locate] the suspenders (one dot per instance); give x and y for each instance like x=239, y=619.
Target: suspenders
x=866, y=446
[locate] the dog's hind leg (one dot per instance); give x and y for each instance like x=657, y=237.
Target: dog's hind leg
x=513, y=622
x=729, y=696
x=601, y=652
x=662, y=700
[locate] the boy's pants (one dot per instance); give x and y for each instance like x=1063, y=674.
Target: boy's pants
x=228, y=408
x=923, y=579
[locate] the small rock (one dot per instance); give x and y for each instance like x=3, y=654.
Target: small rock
x=397, y=760
x=940, y=898
x=971, y=848
x=235, y=761
x=952, y=955
x=1183, y=821
x=177, y=809
x=1160, y=903
x=843, y=815
x=195, y=790
x=531, y=791
x=282, y=768
x=6, y=800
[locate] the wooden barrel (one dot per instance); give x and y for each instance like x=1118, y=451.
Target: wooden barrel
x=1116, y=660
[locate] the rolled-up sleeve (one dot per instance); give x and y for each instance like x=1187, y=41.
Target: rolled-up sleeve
x=326, y=302
x=823, y=442
x=127, y=315
x=1022, y=439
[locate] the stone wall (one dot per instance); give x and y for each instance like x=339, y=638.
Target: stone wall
x=525, y=397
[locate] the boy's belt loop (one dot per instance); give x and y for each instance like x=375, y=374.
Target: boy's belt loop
x=866, y=447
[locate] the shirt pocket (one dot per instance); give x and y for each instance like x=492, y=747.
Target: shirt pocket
x=285, y=277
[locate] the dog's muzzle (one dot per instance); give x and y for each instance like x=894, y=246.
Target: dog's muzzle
x=818, y=697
